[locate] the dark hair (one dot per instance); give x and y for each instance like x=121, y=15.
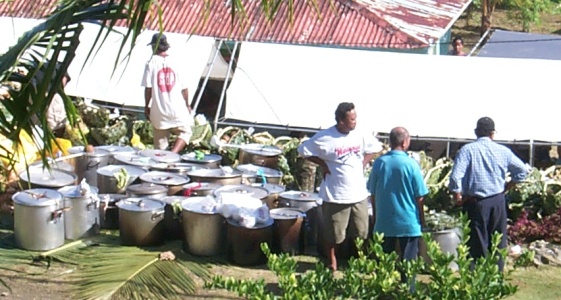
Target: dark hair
x=398, y=135
x=342, y=109
x=458, y=38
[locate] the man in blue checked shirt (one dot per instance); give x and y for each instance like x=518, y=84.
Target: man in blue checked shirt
x=478, y=183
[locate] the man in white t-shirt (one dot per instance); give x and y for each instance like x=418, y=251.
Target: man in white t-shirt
x=342, y=153
x=166, y=89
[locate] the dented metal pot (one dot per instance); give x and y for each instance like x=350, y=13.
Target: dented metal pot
x=141, y=222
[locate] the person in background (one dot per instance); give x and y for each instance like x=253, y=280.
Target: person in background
x=342, y=153
x=56, y=113
x=478, y=184
x=457, y=47
x=166, y=97
x=397, y=190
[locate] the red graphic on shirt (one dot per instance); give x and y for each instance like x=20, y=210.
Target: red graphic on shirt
x=166, y=79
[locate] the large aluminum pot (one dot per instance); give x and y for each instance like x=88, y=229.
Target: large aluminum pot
x=89, y=162
x=148, y=190
x=223, y=176
x=260, y=174
x=161, y=156
x=39, y=177
x=82, y=219
x=287, y=231
x=108, y=210
x=309, y=203
x=180, y=168
x=261, y=155
x=211, y=161
x=141, y=222
x=38, y=219
x=172, y=182
x=134, y=159
x=242, y=189
x=204, y=229
x=172, y=217
x=303, y=201
x=274, y=191
x=116, y=150
x=60, y=164
x=244, y=244
x=107, y=182
x=197, y=189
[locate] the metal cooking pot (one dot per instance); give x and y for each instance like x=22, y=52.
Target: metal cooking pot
x=82, y=219
x=60, y=164
x=302, y=201
x=204, y=230
x=140, y=222
x=172, y=217
x=148, y=190
x=195, y=189
x=107, y=183
x=287, y=231
x=134, y=159
x=161, y=156
x=88, y=163
x=223, y=176
x=180, y=168
x=261, y=155
x=211, y=161
x=108, y=210
x=255, y=192
x=274, y=191
x=115, y=150
x=39, y=177
x=38, y=219
x=244, y=244
x=260, y=174
x=172, y=182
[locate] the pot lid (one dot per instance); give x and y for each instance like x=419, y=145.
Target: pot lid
x=37, y=197
x=300, y=196
x=146, y=188
x=177, y=167
x=135, y=159
x=201, y=158
x=170, y=200
x=112, y=169
x=202, y=186
x=255, y=170
x=201, y=205
x=97, y=152
x=270, y=187
x=225, y=172
x=61, y=165
x=164, y=178
x=73, y=191
x=161, y=155
x=48, y=178
x=286, y=213
x=116, y=149
x=267, y=223
x=140, y=204
x=255, y=192
x=111, y=198
x=263, y=150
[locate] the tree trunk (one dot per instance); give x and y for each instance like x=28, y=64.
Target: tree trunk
x=486, y=11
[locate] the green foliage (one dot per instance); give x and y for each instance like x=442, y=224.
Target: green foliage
x=525, y=259
x=529, y=12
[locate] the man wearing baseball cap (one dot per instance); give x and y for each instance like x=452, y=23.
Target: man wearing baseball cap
x=478, y=183
x=166, y=97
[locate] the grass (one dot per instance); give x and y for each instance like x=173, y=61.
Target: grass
x=540, y=283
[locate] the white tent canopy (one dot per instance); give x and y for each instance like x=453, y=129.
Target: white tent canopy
x=432, y=96
x=96, y=78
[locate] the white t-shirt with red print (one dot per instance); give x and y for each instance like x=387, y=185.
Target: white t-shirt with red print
x=168, y=108
x=343, y=154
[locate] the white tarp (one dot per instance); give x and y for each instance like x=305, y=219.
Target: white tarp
x=432, y=96
x=95, y=78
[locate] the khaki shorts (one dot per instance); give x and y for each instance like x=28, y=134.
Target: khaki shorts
x=338, y=218
x=161, y=136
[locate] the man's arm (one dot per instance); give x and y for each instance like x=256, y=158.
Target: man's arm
x=147, y=98
x=185, y=94
x=368, y=157
x=421, y=209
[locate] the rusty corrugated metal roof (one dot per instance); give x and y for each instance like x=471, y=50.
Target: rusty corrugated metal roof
x=340, y=23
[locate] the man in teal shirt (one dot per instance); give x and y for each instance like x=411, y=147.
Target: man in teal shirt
x=397, y=190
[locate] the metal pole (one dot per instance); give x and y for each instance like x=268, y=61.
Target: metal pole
x=210, y=66
x=531, y=160
x=221, y=101
x=479, y=42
